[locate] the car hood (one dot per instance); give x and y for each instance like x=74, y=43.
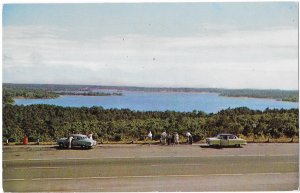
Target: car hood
x=62, y=139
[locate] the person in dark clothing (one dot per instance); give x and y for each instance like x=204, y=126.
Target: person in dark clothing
x=173, y=139
x=169, y=138
x=190, y=139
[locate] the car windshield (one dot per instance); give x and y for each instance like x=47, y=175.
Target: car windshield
x=80, y=137
x=226, y=136
x=232, y=137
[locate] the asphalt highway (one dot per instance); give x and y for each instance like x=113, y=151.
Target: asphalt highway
x=138, y=168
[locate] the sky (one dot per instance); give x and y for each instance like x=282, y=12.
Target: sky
x=220, y=45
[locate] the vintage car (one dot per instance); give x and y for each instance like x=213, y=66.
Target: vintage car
x=223, y=140
x=78, y=140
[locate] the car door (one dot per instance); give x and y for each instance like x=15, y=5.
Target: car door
x=232, y=140
x=75, y=141
x=224, y=141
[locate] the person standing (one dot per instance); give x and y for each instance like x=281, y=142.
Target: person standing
x=70, y=141
x=176, y=138
x=169, y=138
x=173, y=138
x=149, y=137
x=163, y=138
x=189, y=138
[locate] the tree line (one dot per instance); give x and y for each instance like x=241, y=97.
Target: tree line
x=11, y=92
x=8, y=94
x=283, y=95
x=89, y=93
x=49, y=122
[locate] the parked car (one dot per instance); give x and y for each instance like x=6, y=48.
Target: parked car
x=225, y=140
x=78, y=140
x=10, y=140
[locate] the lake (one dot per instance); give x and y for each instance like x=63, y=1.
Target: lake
x=160, y=101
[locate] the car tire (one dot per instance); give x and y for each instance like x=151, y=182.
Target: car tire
x=61, y=145
x=238, y=145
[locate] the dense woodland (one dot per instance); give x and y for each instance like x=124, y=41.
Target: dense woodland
x=48, y=123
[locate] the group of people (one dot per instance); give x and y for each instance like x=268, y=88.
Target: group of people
x=171, y=138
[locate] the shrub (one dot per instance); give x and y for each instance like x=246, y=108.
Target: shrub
x=117, y=137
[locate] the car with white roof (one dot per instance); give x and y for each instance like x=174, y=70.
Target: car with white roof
x=225, y=140
x=77, y=140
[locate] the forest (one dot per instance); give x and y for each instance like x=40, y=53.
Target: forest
x=49, y=122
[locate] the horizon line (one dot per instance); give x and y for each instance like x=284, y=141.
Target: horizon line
x=157, y=87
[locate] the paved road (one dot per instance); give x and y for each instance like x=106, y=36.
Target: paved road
x=151, y=168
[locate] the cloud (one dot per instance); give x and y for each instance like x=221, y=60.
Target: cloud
x=229, y=58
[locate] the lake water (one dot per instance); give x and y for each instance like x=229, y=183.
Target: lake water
x=158, y=101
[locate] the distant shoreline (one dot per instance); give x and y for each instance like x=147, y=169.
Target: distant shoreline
x=89, y=93
x=46, y=91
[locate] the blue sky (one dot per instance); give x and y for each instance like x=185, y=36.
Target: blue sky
x=228, y=45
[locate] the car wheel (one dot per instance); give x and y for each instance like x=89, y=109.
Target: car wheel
x=61, y=145
x=237, y=145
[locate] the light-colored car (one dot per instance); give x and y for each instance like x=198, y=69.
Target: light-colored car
x=77, y=140
x=225, y=140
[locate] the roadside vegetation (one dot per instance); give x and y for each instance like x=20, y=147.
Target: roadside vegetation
x=48, y=123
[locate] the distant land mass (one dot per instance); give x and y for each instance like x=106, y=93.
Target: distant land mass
x=90, y=93
x=11, y=91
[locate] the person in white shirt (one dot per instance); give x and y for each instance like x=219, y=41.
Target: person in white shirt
x=149, y=137
x=70, y=142
x=176, y=138
x=189, y=138
x=163, y=138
